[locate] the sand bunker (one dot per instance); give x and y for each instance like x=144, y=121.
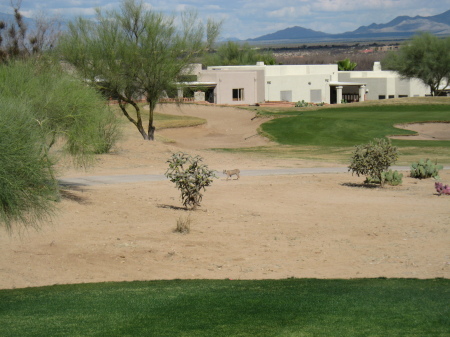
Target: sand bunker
x=426, y=131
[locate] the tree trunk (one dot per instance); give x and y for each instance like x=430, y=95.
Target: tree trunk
x=151, y=132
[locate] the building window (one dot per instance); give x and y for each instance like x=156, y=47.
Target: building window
x=238, y=94
x=381, y=97
x=401, y=96
x=391, y=96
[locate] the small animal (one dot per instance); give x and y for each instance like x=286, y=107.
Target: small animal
x=230, y=173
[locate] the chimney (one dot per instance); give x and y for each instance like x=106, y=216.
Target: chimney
x=376, y=66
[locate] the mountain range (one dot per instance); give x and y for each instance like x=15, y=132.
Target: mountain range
x=400, y=27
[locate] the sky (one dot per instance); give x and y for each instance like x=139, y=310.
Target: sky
x=244, y=19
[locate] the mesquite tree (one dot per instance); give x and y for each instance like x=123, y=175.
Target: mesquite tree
x=425, y=57
x=135, y=53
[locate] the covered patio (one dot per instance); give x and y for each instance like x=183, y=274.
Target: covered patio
x=347, y=92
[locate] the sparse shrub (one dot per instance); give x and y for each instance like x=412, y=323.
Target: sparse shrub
x=441, y=188
x=183, y=225
x=190, y=177
x=425, y=168
x=373, y=159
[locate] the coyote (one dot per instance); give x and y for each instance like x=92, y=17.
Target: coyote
x=230, y=173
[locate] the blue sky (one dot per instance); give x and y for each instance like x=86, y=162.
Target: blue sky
x=252, y=18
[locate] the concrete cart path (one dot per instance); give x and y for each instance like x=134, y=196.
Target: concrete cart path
x=133, y=178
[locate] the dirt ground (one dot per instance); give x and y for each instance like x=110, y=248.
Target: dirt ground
x=310, y=225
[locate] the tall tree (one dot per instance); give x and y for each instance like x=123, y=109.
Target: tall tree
x=134, y=53
x=425, y=57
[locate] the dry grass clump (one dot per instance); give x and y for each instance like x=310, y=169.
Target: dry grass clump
x=183, y=225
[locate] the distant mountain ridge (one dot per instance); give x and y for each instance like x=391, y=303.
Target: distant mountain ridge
x=401, y=26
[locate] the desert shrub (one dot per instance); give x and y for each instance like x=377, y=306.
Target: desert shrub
x=183, y=225
x=425, y=168
x=43, y=106
x=190, y=177
x=390, y=177
x=441, y=188
x=302, y=104
x=373, y=159
x=27, y=184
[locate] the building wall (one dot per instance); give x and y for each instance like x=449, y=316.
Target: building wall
x=387, y=84
x=291, y=82
x=250, y=83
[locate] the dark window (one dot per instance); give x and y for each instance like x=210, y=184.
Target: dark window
x=238, y=94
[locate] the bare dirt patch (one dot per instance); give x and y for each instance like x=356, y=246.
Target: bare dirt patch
x=312, y=225
x=425, y=131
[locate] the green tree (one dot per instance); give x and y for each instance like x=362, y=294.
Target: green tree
x=135, y=53
x=42, y=106
x=346, y=65
x=425, y=57
x=232, y=53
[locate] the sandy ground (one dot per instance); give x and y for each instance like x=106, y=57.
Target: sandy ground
x=426, y=131
x=311, y=225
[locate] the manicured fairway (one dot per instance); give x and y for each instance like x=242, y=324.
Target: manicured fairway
x=290, y=307
x=348, y=126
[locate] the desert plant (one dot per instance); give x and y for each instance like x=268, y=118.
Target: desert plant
x=390, y=177
x=183, y=225
x=425, y=168
x=346, y=65
x=302, y=104
x=441, y=188
x=190, y=177
x=373, y=159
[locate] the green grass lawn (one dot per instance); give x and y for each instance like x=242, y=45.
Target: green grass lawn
x=329, y=134
x=290, y=307
x=346, y=126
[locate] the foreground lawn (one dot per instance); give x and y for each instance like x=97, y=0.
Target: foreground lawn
x=291, y=307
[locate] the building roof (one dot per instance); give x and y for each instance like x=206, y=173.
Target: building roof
x=335, y=84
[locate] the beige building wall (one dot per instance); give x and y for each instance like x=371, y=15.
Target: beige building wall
x=292, y=82
x=385, y=84
x=236, y=87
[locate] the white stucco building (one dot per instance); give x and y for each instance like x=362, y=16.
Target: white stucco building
x=385, y=84
x=254, y=84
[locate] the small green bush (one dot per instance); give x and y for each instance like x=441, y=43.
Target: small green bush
x=190, y=177
x=425, y=168
x=302, y=104
x=390, y=177
x=373, y=159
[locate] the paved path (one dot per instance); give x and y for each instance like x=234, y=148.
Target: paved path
x=132, y=178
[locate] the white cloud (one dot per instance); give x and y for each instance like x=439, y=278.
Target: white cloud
x=283, y=12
